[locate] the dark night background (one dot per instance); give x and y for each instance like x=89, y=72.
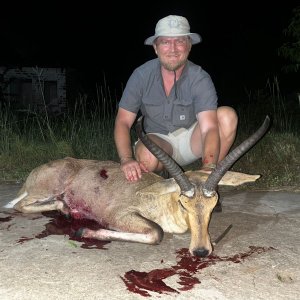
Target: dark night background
x=239, y=47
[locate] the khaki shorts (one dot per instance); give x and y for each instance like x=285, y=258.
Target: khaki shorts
x=180, y=141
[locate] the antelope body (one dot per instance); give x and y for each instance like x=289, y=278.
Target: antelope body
x=128, y=211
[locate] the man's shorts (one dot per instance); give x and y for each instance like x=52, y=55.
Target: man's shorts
x=180, y=140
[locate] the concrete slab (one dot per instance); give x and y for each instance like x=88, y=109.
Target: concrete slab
x=258, y=259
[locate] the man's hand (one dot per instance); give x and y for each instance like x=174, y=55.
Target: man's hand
x=132, y=169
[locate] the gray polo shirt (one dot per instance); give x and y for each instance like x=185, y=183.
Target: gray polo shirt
x=193, y=92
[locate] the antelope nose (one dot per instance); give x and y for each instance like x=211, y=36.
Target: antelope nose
x=202, y=252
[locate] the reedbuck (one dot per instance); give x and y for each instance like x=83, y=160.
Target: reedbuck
x=134, y=211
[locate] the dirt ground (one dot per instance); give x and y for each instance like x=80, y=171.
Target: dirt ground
x=259, y=258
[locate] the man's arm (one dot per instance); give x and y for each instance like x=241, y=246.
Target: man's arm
x=123, y=123
x=210, y=138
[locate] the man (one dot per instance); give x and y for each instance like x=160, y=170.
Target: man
x=179, y=102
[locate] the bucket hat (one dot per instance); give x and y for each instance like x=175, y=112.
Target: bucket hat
x=173, y=26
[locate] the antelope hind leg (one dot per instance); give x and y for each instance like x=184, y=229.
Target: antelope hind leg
x=40, y=203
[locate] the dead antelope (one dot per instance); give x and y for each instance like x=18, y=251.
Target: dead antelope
x=140, y=211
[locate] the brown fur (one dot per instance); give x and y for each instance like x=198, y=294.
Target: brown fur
x=136, y=212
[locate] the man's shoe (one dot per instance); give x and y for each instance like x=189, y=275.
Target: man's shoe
x=164, y=174
x=218, y=207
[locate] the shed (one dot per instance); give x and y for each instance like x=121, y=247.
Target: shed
x=34, y=88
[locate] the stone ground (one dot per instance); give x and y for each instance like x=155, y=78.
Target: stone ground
x=259, y=258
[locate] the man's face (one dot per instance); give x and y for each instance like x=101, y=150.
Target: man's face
x=172, y=51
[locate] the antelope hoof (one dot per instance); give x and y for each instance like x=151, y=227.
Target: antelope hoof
x=79, y=233
x=67, y=216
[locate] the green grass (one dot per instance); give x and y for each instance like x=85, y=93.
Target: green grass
x=276, y=157
x=28, y=139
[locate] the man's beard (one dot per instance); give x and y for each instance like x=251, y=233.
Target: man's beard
x=173, y=66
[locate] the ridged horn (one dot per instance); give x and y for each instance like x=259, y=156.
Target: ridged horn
x=171, y=166
x=216, y=175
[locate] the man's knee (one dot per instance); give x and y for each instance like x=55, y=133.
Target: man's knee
x=143, y=155
x=227, y=117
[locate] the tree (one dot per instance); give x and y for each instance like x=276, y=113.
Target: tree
x=291, y=49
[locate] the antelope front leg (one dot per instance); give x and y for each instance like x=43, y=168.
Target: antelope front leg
x=144, y=231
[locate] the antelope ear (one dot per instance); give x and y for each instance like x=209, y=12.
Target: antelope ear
x=236, y=178
x=230, y=178
x=163, y=187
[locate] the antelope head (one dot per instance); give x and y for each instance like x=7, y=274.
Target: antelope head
x=196, y=197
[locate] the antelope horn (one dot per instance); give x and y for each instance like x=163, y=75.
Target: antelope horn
x=216, y=175
x=175, y=171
